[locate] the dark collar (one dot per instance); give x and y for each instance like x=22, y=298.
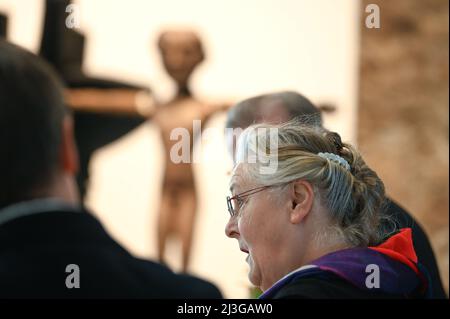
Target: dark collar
x=32, y=207
x=50, y=223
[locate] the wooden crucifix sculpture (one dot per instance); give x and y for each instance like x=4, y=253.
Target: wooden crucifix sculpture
x=103, y=109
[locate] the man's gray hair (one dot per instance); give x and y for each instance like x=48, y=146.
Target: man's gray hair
x=248, y=112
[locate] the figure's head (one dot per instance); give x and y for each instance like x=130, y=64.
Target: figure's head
x=181, y=52
x=39, y=156
x=311, y=203
x=273, y=108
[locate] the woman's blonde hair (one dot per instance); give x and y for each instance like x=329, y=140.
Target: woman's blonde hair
x=355, y=197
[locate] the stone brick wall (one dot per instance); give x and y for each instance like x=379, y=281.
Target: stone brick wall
x=403, y=110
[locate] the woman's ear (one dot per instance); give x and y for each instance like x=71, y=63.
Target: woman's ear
x=302, y=198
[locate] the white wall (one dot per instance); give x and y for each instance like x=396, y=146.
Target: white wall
x=253, y=46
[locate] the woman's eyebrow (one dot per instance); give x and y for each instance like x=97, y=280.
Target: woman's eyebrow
x=233, y=182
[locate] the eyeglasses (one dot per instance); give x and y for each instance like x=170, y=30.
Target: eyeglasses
x=235, y=203
x=238, y=200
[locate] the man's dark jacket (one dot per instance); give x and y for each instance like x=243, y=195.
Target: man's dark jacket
x=36, y=250
x=422, y=247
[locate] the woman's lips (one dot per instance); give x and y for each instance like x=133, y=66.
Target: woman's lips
x=244, y=250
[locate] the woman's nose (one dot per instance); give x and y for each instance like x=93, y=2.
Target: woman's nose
x=231, y=229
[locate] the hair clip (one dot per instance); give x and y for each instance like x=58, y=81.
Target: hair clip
x=335, y=158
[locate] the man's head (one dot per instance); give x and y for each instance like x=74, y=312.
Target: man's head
x=181, y=52
x=38, y=154
x=273, y=108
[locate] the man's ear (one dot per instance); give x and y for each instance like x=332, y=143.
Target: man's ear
x=302, y=199
x=68, y=153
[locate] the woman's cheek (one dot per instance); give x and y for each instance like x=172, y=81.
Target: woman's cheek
x=244, y=228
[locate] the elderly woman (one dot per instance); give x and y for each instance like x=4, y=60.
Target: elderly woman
x=310, y=227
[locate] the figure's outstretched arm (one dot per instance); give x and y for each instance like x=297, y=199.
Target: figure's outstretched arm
x=327, y=107
x=120, y=100
x=213, y=108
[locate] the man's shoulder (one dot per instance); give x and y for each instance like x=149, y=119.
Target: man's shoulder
x=50, y=241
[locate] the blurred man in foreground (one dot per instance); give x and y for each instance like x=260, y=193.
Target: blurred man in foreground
x=50, y=246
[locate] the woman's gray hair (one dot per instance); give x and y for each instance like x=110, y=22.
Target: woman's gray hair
x=355, y=197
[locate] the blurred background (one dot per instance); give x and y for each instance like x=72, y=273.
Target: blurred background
x=403, y=111
x=388, y=85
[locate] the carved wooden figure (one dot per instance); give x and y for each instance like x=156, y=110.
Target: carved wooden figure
x=181, y=53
